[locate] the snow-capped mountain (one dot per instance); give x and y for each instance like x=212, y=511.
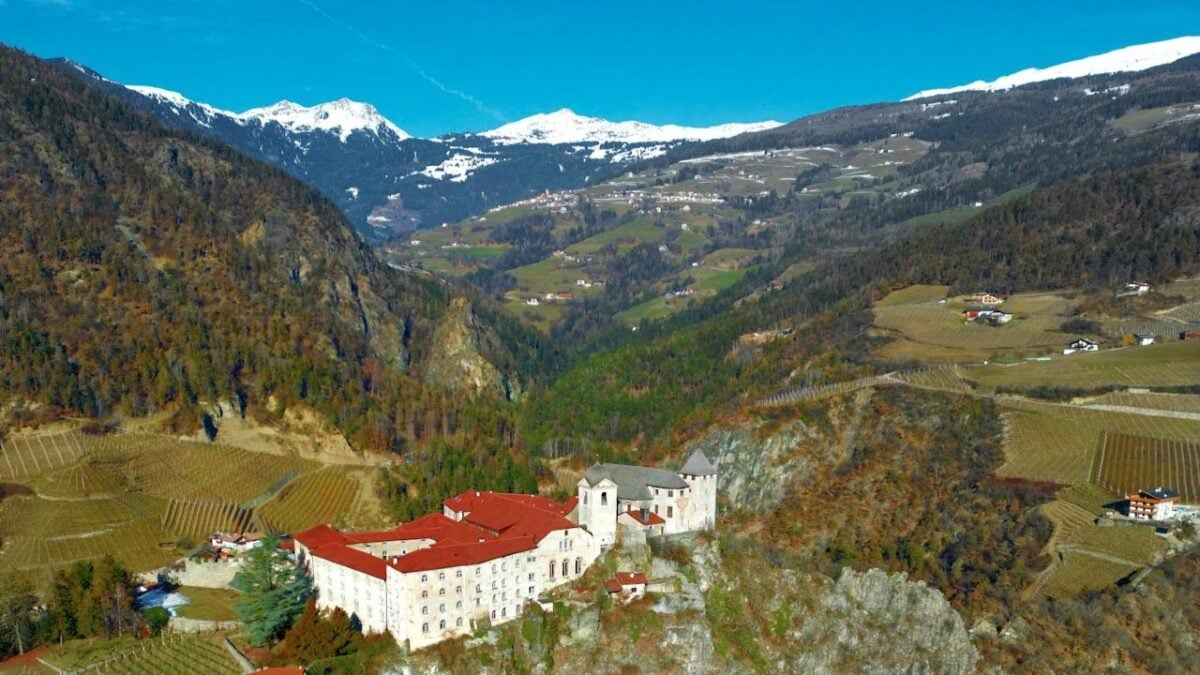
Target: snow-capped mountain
x=566, y=126
x=1127, y=59
x=342, y=117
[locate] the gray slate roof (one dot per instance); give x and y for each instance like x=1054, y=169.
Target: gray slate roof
x=634, y=482
x=698, y=465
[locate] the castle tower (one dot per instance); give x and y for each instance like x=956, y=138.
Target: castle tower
x=701, y=477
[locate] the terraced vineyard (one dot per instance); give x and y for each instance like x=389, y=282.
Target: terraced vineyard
x=1129, y=462
x=1185, y=403
x=26, y=455
x=320, y=497
x=198, y=519
x=181, y=470
x=1058, y=443
x=168, y=655
x=941, y=379
x=88, y=477
x=1079, y=572
x=40, y=534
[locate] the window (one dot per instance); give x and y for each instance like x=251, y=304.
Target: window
x=442, y=624
x=655, y=492
x=441, y=591
x=564, y=567
x=458, y=590
x=670, y=511
x=458, y=622
x=425, y=609
x=441, y=576
x=493, y=615
x=585, y=499
x=578, y=565
x=458, y=605
x=424, y=594
x=504, y=612
x=531, y=576
x=670, y=493
x=424, y=578
x=656, y=509
x=531, y=590
x=493, y=584
x=442, y=608
x=424, y=628
x=458, y=574
x=603, y=499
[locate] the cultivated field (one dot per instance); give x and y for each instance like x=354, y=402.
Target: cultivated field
x=25, y=455
x=322, y=497
x=1078, y=571
x=1058, y=443
x=1185, y=403
x=198, y=519
x=1128, y=462
x=169, y=654
x=1169, y=364
x=916, y=293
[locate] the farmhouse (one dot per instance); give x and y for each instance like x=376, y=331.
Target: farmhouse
x=235, y=542
x=1137, y=288
x=443, y=575
x=986, y=299
x=1156, y=504
x=990, y=315
x=1143, y=339
x=616, y=498
x=1081, y=345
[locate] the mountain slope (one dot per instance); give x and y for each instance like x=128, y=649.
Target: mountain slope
x=389, y=183
x=1126, y=59
x=145, y=270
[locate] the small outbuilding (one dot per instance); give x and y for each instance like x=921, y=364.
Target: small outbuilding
x=626, y=586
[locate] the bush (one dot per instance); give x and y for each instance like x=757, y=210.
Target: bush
x=156, y=618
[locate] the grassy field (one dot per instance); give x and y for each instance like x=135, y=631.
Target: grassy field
x=636, y=231
x=209, y=604
x=933, y=332
x=1128, y=462
x=1059, y=443
x=1172, y=363
x=916, y=293
x=321, y=497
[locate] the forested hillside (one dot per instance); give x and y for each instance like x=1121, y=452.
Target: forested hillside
x=146, y=270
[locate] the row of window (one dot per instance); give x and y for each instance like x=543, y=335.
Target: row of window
x=458, y=623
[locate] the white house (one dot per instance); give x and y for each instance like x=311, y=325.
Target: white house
x=626, y=586
x=657, y=501
x=1156, y=504
x=1081, y=345
x=443, y=575
x=1137, y=288
x=1143, y=339
x=237, y=542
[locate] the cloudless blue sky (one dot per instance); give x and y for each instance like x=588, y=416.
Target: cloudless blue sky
x=452, y=65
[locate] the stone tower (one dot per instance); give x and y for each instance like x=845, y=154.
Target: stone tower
x=701, y=477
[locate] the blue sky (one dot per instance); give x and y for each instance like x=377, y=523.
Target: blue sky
x=450, y=65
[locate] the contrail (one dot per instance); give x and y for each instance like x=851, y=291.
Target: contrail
x=458, y=93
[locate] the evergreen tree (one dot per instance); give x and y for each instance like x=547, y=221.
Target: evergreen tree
x=318, y=635
x=275, y=591
x=17, y=616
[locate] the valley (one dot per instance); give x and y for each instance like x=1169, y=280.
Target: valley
x=930, y=356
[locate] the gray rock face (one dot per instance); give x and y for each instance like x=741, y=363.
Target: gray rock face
x=878, y=622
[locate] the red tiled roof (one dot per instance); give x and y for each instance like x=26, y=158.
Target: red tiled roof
x=650, y=519
x=441, y=556
x=631, y=578
x=318, y=536
x=353, y=558
x=512, y=515
x=613, y=586
x=287, y=544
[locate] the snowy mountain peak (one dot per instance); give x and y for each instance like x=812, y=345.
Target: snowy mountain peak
x=342, y=116
x=1126, y=59
x=567, y=126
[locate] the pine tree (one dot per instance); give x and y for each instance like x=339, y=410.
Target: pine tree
x=275, y=591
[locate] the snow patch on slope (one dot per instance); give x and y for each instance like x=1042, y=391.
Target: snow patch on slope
x=183, y=103
x=1127, y=59
x=457, y=167
x=565, y=126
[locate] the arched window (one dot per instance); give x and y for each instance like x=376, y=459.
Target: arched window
x=565, y=567
x=578, y=565
x=585, y=499
x=442, y=608
x=504, y=611
x=458, y=622
x=441, y=576
x=425, y=609
x=441, y=591
x=458, y=605
x=442, y=624
x=424, y=578
x=424, y=594
x=551, y=569
x=603, y=499
x=424, y=628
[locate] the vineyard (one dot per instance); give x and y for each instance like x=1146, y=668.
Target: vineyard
x=1185, y=403
x=1058, y=443
x=40, y=534
x=320, y=497
x=1170, y=364
x=198, y=519
x=942, y=379
x=169, y=654
x=1079, y=571
x=1129, y=462
x=26, y=455
x=182, y=470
